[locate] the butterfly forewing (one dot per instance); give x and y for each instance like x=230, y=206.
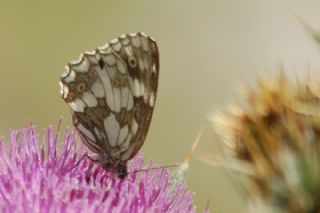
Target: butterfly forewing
x=111, y=92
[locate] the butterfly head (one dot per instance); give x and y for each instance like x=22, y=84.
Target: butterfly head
x=114, y=164
x=122, y=171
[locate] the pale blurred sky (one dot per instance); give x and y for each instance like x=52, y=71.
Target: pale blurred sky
x=207, y=49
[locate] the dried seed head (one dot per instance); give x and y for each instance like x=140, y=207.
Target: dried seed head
x=277, y=135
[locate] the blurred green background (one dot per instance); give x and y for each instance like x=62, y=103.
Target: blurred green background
x=207, y=49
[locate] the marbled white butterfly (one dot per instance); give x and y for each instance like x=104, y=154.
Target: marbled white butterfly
x=111, y=92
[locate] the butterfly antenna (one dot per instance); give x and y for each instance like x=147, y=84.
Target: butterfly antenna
x=161, y=167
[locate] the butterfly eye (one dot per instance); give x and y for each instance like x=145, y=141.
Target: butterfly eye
x=132, y=62
x=81, y=87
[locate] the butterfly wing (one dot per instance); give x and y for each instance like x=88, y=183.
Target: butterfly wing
x=111, y=92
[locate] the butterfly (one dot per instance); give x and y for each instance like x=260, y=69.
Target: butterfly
x=111, y=92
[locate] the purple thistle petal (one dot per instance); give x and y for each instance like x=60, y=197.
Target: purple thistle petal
x=36, y=177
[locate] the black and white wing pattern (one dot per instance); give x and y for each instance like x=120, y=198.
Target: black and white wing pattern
x=111, y=92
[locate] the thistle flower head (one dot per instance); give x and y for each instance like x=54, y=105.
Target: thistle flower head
x=36, y=177
x=275, y=139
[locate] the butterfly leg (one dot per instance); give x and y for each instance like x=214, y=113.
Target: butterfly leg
x=91, y=158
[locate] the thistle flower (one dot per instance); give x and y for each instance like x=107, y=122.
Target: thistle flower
x=274, y=140
x=36, y=177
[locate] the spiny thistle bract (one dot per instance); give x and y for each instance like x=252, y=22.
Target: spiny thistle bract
x=274, y=139
x=36, y=177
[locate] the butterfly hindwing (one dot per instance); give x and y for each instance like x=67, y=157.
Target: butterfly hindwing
x=111, y=92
